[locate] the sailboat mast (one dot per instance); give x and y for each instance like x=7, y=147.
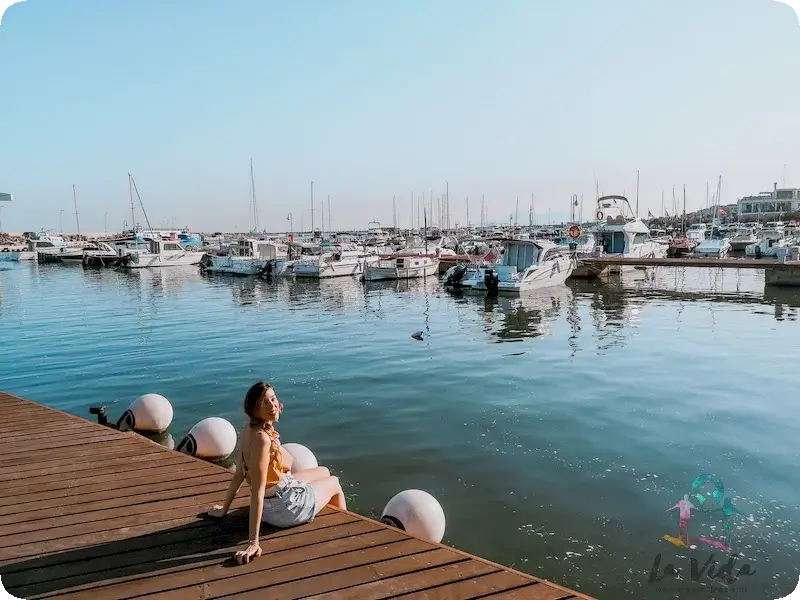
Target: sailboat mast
x=394, y=213
x=684, y=209
x=637, y=193
x=253, y=196
x=75, y=202
x=425, y=216
x=130, y=192
x=312, y=210
x=329, y=216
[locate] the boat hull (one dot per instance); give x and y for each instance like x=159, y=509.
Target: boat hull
x=325, y=270
x=7, y=256
x=233, y=265
x=378, y=273
x=158, y=261
x=549, y=275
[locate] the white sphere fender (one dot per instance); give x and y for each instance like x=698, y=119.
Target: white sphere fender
x=302, y=457
x=417, y=513
x=211, y=439
x=151, y=413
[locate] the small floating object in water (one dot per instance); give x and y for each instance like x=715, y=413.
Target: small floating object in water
x=675, y=541
x=302, y=457
x=150, y=413
x=212, y=439
x=417, y=513
x=715, y=543
x=418, y=335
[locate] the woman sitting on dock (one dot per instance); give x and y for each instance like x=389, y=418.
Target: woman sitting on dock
x=278, y=496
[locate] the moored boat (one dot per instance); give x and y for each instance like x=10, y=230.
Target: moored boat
x=402, y=267
x=526, y=265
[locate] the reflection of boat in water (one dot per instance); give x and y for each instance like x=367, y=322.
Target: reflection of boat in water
x=513, y=318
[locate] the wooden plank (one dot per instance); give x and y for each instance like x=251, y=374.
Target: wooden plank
x=29, y=507
x=40, y=548
x=403, y=574
x=172, y=463
x=491, y=583
x=157, y=576
x=61, y=572
x=101, y=520
x=117, y=451
x=534, y=591
x=45, y=443
x=96, y=511
x=76, y=452
x=66, y=431
x=121, y=483
x=43, y=428
x=71, y=468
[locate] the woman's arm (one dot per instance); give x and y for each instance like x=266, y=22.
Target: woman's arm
x=258, y=482
x=238, y=477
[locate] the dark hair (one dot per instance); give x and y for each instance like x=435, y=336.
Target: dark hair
x=255, y=398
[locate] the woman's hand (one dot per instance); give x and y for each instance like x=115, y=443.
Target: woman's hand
x=252, y=551
x=217, y=512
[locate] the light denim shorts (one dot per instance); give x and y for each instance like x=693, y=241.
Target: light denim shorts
x=294, y=503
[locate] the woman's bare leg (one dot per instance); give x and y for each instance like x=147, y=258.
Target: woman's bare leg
x=329, y=491
x=311, y=475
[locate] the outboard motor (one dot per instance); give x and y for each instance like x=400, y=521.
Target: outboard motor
x=456, y=276
x=491, y=280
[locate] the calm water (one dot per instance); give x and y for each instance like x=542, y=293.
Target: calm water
x=555, y=429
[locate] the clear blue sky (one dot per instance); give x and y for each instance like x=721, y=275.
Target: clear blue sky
x=372, y=99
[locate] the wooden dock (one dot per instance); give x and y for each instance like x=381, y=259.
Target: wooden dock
x=89, y=512
x=728, y=263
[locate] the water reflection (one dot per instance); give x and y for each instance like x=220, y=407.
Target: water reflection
x=514, y=318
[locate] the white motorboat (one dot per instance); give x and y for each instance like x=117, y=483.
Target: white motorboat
x=402, y=267
x=697, y=232
x=526, y=265
x=160, y=253
x=767, y=247
x=340, y=260
x=717, y=247
x=742, y=236
x=621, y=235
x=248, y=257
x=42, y=242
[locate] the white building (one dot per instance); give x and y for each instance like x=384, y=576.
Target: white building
x=769, y=204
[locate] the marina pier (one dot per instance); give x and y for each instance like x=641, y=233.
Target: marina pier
x=90, y=512
x=775, y=272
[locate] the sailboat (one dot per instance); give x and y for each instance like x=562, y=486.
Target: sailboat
x=159, y=253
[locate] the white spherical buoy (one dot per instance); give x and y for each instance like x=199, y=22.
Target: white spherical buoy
x=151, y=413
x=417, y=513
x=211, y=439
x=302, y=457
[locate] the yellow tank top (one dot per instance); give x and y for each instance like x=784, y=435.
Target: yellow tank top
x=277, y=467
